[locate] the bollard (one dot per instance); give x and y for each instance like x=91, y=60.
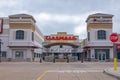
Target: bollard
x=115, y=64
x=54, y=60
x=40, y=60
x=67, y=60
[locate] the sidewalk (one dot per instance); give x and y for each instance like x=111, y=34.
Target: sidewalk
x=112, y=72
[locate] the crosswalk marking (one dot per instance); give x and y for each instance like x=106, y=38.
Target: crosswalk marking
x=74, y=71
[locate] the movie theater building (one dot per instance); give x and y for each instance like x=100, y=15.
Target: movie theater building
x=20, y=37
x=61, y=47
x=98, y=45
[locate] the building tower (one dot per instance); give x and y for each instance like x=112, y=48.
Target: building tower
x=21, y=38
x=99, y=27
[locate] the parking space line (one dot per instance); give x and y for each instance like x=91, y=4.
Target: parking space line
x=42, y=75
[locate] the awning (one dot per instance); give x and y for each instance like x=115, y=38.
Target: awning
x=23, y=46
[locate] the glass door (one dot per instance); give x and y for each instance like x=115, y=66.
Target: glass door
x=101, y=56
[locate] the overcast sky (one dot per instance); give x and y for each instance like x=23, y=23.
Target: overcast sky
x=69, y=16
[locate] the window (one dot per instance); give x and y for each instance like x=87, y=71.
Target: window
x=20, y=34
x=88, y=36
x=37, y=55
x=19, y=54
x=101, y=34
x=61, y=46
x=32, y=36
x=4, y=54
x=34, y=54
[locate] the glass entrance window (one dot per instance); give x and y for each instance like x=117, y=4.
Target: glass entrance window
x=61, y=56
x=102, y=54
x=118, y=54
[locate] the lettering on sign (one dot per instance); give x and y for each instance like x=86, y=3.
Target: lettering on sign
x=61, y=50
x=101, y=20
x=60, y=37
x=113, y=37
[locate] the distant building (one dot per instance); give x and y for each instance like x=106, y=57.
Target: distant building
x=98, y=46
x=20, y=37
x=61, y=47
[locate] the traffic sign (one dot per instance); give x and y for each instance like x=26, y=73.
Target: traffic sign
x=114, y=37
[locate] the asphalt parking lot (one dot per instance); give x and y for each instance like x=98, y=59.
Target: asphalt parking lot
x=55, y=71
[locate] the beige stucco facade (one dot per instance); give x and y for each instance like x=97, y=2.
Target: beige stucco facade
x=21, y=38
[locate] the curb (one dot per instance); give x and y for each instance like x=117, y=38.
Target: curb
x=109, y=73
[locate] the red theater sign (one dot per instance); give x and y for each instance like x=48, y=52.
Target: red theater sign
x=60, y=37
x=1, y=25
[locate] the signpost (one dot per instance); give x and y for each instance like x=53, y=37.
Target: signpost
x=114, y=38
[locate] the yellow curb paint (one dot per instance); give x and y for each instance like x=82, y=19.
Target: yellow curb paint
x=42, y=75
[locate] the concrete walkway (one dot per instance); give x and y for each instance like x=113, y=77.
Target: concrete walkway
x=112, y=72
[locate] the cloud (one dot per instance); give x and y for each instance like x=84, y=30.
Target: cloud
x=57, y=22
x=46, y=17
x=8, y=3
x=73, y=24
x=81, y=31
x=54, y=27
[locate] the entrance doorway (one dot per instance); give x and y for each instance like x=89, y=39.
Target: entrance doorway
x=61, y=56
x=118, y=54
x=101, y=56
